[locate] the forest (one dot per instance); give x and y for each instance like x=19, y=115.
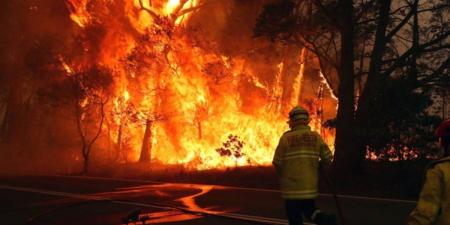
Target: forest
x=207, y=84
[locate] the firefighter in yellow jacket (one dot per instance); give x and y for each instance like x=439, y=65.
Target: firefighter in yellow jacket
x=296, y=161
x=433, y=207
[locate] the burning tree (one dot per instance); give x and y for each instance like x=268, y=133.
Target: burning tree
x=200, y=115
x=126, y=114
x=138, y=62
x=122, y=113
x=147, y=142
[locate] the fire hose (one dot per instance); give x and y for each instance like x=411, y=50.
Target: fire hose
x=335, y=196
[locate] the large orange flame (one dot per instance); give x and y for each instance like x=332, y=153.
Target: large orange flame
x=186, y=100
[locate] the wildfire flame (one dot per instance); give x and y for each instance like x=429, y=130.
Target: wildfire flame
x=170, y=6
x=184, y=100
x=78, y=12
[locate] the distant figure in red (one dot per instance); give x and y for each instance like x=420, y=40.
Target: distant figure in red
x=433, y=207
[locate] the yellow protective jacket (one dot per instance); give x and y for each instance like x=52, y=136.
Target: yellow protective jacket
x=433, y=207
x=296, y=161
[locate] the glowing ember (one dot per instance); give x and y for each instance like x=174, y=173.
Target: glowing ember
x=66, y=67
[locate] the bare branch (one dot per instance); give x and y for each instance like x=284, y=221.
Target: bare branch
x=401, y=61
x=443, y=6
x=445, y=65
x=446, y=46
x=149, y=10
x=404, y=21
x=365, y=7
x=102, y=118
x=311, y=46
x=191, y=9
x=329, y=15
x=79, y=125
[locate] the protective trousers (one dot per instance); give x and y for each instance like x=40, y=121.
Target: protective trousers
x=296, y=208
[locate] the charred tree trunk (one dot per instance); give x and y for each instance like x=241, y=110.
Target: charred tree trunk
x=345, y=156
x=84, y=146
x=4, y=126
x=12, y=120
x=199, y=128
x=146, y=149
x=119, y=141
x=86, y=166
x=85, y=154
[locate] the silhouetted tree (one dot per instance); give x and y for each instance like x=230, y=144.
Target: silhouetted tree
x=398, y=48
x=86, y=92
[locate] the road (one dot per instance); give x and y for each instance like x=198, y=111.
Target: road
x=73, y=200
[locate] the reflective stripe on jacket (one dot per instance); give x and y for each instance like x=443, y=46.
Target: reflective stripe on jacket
x=433, y=206
x=296, y=161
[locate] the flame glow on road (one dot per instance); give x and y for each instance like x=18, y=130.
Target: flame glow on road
x=189, y=202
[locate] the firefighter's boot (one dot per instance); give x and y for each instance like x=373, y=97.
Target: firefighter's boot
x=324, y=218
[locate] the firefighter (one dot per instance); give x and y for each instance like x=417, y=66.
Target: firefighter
x=433, y=206
x=296, y=162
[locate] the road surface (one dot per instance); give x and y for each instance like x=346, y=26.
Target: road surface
x=64, y=200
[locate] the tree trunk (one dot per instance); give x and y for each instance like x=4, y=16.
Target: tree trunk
x=4, y=125
x=87, y=145
x=119, y=141
x=11, y=125
x=199, y=127
x=370, y=94
x=146, y=149
x=85, y=160
x=346, y=159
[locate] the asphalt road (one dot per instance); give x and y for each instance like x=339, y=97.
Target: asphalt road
x=62, y=200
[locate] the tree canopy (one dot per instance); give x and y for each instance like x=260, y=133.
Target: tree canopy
x=383, y=59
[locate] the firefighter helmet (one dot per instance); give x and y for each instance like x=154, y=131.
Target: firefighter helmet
x=298, y=113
